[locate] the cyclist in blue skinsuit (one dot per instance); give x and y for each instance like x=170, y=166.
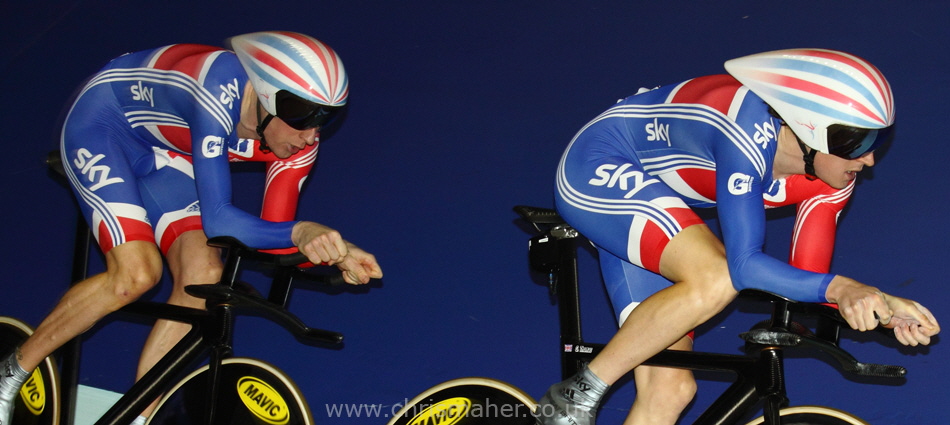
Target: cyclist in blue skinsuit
x=147, y=146
x=790, y=127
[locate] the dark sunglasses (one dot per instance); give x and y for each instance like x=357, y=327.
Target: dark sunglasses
x=303, y=114
x=851, y=142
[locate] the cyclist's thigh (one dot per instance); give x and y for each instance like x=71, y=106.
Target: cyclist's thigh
x=98, y=156
x=627, y=284
x=605, y=194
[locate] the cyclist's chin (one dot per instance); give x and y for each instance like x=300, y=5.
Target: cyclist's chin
x=285, y=151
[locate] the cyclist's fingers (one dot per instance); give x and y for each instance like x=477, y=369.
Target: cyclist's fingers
x=900, y=334
x=353, y=271
x=868, y=317
x=919, y=336
x=327, y=248
x=316, y=253
x=849, y=314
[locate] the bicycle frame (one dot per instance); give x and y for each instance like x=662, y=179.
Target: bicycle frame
x=211, y=332
x=759, y=374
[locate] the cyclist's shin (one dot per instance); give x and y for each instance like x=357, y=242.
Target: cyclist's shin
x=572, y=402
x=12, y=377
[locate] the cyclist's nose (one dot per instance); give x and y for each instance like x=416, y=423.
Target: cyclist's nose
x=310, y=135
x=867, y=159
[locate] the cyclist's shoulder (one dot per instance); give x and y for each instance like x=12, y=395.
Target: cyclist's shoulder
x=210, y=66
x=714, y=91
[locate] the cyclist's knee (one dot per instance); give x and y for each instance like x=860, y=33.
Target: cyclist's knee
x=696, y=260
x=711, y=291
x=191, y=261
x=133, y=269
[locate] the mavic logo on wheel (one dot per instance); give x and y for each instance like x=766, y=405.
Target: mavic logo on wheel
x=33, y=393
x=263, y=401
x=445, y=412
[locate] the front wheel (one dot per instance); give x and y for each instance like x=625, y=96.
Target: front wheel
x=468, y=401
x=38, y=402
x=249, y=392
x=813, y=415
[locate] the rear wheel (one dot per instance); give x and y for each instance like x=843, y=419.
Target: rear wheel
x=250, y=392
x=468, y=401
x=38, y=402
x=814, y=415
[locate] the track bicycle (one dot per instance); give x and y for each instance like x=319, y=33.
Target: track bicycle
x=225, y=390
x=759, y=374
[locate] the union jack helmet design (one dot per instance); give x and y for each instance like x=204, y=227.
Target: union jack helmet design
x=293, y=62
x=833, y=101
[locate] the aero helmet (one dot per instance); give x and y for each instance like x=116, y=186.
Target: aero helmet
x=835, y=102
x=297, y=78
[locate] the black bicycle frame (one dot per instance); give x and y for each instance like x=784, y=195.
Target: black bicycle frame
x=759, y=374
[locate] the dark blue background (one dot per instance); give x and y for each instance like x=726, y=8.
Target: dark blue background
x=460, y=110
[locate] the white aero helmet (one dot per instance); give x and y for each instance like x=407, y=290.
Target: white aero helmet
x=835, y=102
x=297, y=78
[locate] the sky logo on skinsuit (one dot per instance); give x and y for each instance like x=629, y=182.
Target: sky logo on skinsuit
x=611, y=175
x=142, y=93
x=86, y=162
x=229, y=93
x=657, y=131
x=764, y=133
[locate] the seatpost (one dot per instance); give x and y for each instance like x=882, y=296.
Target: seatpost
x=568, y=293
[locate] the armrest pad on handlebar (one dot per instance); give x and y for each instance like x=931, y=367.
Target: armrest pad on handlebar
x=230, y=242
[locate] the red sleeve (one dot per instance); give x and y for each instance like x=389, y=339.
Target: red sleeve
x=285, y=178
x=816, y=222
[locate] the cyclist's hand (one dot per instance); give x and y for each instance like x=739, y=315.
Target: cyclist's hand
x=862, y=306
x=359, y=266
x=321, y=244
x=913, y=323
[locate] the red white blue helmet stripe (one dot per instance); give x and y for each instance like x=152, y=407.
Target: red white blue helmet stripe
x=812, y=89
x=300, y=64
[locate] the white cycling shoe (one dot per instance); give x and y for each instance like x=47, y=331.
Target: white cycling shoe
x=12, y=377
x=572, y=402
